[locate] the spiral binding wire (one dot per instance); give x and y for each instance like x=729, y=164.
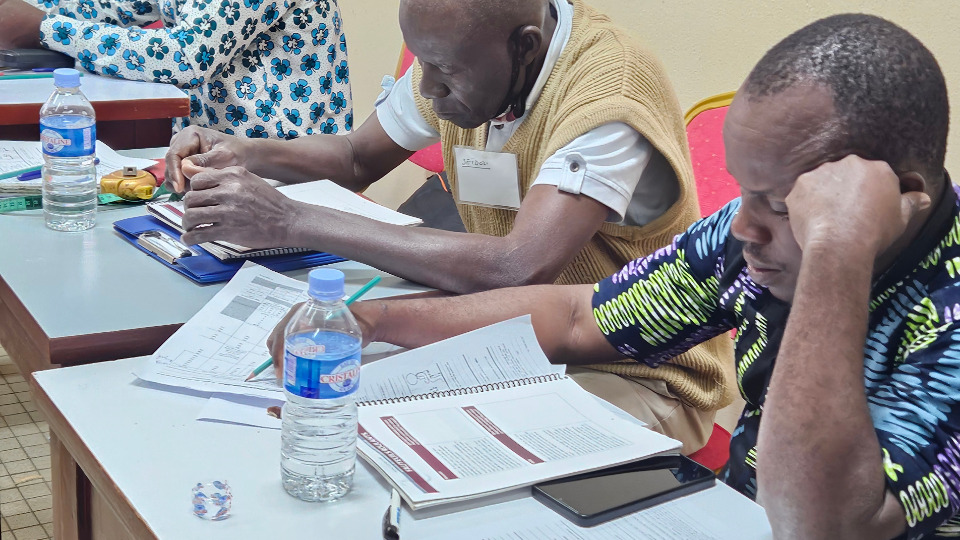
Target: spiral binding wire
x=466, y=390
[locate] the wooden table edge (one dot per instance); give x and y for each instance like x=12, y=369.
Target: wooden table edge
x=75, y=498
x=12, y=114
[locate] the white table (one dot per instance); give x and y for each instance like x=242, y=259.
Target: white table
x=74, y=298
x=139, y=452
x=130, y=114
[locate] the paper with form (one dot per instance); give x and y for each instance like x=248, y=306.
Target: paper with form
x=506, y=351
x=503, y=352
x=16, y=155
x=220, y=345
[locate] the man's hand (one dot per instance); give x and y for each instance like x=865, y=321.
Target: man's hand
x=196, y=148
x=19, y=25
x=852, y=202
x=275, y=340
x=236, y=206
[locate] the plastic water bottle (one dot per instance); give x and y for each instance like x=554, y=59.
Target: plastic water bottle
x=68, y=135
x=321, y=373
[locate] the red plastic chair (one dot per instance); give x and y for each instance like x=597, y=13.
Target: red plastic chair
x=715, y=186
x=430, y=158
x=715, y=454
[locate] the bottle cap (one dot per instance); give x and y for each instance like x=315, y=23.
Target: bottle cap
x=326, y=284
x=66, y=77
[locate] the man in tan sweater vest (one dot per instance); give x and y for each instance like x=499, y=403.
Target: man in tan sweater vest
x=566, y=152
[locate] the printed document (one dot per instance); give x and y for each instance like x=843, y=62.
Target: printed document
x=16, y=155
x=483, y=413
x=718, y=513
x=226, y=340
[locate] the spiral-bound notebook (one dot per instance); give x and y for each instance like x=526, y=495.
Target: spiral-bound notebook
x=483, y=413
x=321, y=193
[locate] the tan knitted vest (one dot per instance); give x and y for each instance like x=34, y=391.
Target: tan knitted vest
x=603, y=76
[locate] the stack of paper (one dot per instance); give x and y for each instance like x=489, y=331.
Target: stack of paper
x=16, y=155
x=321, y=193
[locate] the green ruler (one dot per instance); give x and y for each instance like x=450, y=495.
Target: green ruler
x=13, y=204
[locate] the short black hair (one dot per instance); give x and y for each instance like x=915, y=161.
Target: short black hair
x=888, y=89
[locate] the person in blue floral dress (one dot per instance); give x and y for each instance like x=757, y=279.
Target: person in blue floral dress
x=254, y=68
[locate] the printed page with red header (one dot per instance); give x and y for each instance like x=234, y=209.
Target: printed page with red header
x=460, y=443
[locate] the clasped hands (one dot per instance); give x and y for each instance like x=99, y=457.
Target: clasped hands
x=225, y=200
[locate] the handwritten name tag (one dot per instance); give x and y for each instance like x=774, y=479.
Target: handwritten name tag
x=487, y=178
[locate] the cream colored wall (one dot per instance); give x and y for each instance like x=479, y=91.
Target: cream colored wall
x=373, y=46
x=707, y=46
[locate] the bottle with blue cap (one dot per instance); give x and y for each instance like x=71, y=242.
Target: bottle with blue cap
x=321, y=374
x=68, y=137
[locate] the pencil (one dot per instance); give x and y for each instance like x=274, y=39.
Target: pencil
x=12, y=76
x=353, y=298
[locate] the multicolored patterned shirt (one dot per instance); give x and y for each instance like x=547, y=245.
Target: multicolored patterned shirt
x=698, y=288
x=254, y=68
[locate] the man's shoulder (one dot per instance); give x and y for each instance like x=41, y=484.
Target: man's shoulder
x=600, y=45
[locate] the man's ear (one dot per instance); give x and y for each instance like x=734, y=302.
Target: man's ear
x=912, y=181
x=529, y=41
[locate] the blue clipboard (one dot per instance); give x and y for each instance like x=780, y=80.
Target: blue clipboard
x=204, y=267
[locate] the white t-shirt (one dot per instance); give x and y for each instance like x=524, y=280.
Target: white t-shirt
x=612, y=164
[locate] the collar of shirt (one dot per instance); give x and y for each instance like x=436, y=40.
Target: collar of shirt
x=506, y=125
x=930, y=235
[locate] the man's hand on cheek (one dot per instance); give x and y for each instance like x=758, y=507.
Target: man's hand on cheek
x=236, y=206
x=851, y=204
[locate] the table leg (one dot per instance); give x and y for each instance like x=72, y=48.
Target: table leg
x=71, y=493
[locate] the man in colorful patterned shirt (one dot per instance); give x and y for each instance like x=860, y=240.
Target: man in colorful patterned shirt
x=252, y=68
x=839, y=268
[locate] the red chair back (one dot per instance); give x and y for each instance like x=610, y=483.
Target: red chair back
x=430, y=158
x=715, y=186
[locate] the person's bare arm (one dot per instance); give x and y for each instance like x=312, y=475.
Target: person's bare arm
x=819, y=467
x=19, y=25
x=550, y=229
x=562, y=318
x=354, y=161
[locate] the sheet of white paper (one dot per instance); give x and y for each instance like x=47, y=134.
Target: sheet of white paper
x=719, y=513
x=226, y=340
x=16, y=155
x=247, y=411
x=505, y=351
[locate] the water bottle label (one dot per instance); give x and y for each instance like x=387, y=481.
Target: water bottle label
x=68, y=142
x=320, y=379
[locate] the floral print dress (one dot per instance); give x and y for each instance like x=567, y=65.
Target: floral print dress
x=254, y=68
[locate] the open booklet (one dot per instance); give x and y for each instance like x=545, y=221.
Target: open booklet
x=321, y=193
x=483, y=413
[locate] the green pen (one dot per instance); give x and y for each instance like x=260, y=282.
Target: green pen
x=353, y=298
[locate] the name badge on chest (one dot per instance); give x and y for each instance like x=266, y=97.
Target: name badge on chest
x=487, y=178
